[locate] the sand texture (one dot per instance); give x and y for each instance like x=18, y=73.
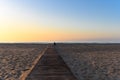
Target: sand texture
x=16, y=59
x=92, y=61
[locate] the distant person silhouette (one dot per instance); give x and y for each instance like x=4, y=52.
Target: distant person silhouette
x=54, y=43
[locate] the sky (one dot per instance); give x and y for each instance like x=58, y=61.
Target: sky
x=59, y=20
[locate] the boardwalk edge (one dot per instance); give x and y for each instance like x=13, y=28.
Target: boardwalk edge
x=26, y=73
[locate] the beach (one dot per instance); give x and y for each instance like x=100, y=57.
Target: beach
x=92, y=61
x=15, y=59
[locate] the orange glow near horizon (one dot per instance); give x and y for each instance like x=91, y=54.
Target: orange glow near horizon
x=38, y=21
x=36, y=34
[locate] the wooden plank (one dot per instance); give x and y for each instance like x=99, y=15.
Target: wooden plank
x=51, y=67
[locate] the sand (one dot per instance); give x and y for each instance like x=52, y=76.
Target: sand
x=15, y=59
x=87, y=61
x=92, y=61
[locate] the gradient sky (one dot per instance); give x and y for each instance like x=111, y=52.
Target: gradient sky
x=59, y=20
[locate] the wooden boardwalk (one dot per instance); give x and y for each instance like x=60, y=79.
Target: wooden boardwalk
x=51, y=67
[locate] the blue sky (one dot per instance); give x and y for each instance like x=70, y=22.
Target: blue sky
x=98, y=20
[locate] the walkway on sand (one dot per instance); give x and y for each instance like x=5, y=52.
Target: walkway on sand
x=51, y=67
